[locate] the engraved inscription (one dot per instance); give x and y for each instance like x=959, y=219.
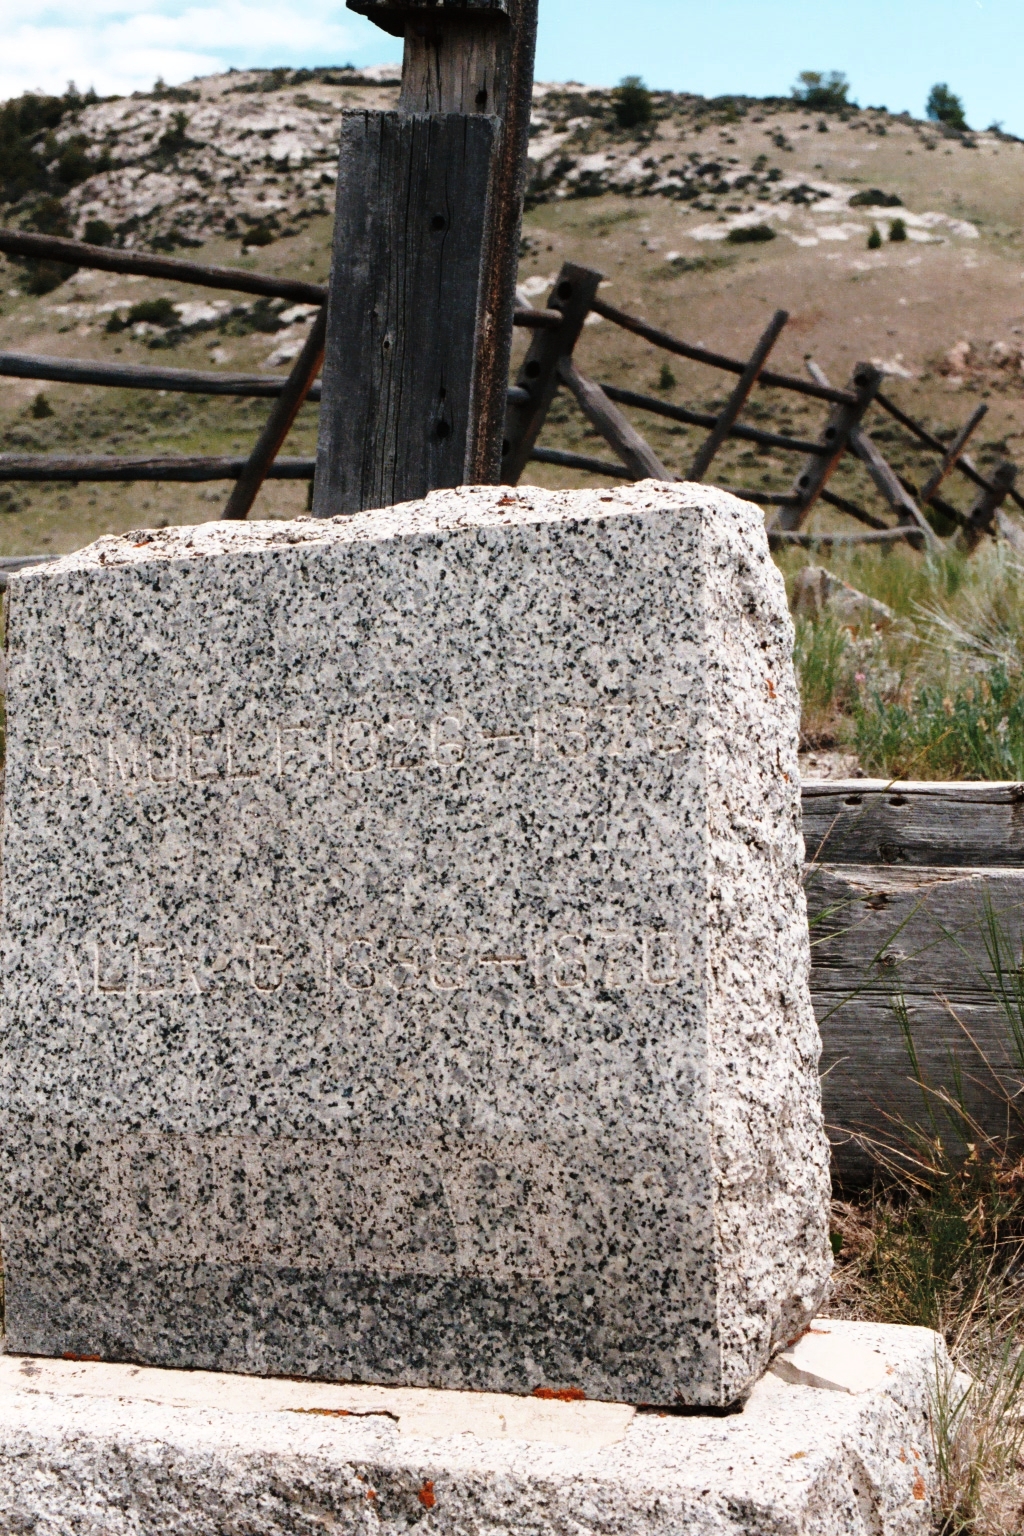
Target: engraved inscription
x=358, y=749
x=340, y=966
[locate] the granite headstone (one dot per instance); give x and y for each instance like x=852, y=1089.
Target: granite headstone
x=405, y=956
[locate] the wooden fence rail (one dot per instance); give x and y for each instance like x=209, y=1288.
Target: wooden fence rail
x=549, y=365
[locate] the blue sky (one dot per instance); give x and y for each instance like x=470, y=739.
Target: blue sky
x=892, y=50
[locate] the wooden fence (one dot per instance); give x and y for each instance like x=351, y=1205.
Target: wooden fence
x=549, y=365
x=916, y=900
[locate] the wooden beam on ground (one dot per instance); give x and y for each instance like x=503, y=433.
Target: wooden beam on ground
x=41, y=468
x=739, y=397
x=982, y=515
x=102, y=258
x=777, y=539
x=930, y=824
x=904, y=884
x=835, y=437
x=634, y=451
x=952, y=456
x=279, y=423
x=572, y=297
x=669, y=343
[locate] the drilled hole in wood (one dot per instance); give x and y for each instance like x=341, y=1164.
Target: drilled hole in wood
x=565, y=290
x=854, y=800
x=444, y=430
x=438, y=222
x=897, y=799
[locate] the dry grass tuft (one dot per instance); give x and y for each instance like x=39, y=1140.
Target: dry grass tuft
x=943, y=1247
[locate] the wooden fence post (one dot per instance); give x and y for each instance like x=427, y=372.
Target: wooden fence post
x=835, y=437
x=426, y=243
x=538, y=378
x=738, y=399
x=633, y=449
x=982, y=515
x=279, y=423
x=888, y=483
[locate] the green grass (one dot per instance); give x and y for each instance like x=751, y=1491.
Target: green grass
x=939, y=692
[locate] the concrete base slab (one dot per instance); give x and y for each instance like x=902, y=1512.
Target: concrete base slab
x=94, y=1448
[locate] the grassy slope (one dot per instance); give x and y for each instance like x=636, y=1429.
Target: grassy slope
x=87, y=420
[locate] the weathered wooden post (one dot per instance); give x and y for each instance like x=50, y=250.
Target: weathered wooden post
x=426, y=249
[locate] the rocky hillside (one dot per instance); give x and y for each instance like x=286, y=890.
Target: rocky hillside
x=253, y=155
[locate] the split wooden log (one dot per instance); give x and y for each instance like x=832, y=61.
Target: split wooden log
x=965, y=465
x=187, y=381
x=908, y=514
x=279, y=423
x=835, y=438
x=572, y=297
x=739, y=397
x=582, y=461
x=761, y=498
x=706, y=419
x=854, y=510
x=778, y=540
x=634, y=451
x=102, y=258
x=669, y=343
x=952, y=457
x=982, y=515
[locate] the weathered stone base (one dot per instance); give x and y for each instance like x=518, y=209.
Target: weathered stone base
x=90, y=1448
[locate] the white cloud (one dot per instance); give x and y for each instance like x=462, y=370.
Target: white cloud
x=119, y=47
